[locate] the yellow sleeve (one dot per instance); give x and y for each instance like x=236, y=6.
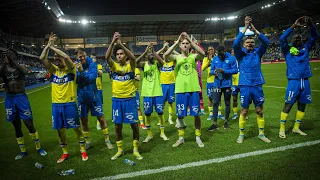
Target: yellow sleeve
x=136, y=72
x=205, y=64
x=100, y=67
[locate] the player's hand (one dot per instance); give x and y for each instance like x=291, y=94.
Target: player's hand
x=247, y=20
x=219, y=70
x=52, y=39
x=165, y=44
x=116, y=36
x=252, y=28
x=79, y=66
x=299, y=21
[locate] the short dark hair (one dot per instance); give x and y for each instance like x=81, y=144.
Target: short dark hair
x=247, y=37
x=221, y=49
x=117, y=47
x=80, y=50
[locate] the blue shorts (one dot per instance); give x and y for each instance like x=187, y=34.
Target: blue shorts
x=235, y=90
x=124, y=110
x=185, y=100
x=100, y=95
x=65, y=115
x=209, y=90
x=249, y=94
x=17, y=106
x=298, y=90
x=138, y=99
x=150, y=102
x=95, y=108
x=168, y=92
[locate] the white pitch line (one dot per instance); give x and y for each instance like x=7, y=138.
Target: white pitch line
x=209, y=161
x=278, y=87
x=31, y=92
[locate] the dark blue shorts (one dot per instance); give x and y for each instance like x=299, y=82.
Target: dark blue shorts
x=168, y=92
x=150, y=102
x=65, y=115
x=17, y=105
x=94, y=106
x=124, y=110
x=298, y=90
x=249, y=94
x=185, y=100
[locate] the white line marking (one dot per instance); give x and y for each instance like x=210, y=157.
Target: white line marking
x=278, y=87
x=209, y=161
x=32, y=91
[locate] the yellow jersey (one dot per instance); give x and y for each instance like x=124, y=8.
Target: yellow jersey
x=136, y=82
x=167, y=73
x=99, y=79
x=206, y=65
x=63, y=82
x=123, y=81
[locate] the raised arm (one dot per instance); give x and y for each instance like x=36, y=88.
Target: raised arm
x=140, y=60
x=200, y=52
x=65, y=56
x=19, y=67
x=158, y=58
x=265, y=41
x=237, y=46
x=165, y=45
x=100, y=72
x=168, y=54
x=116, y=35
x=45, y=52
x=129, y=54
x=313, y=33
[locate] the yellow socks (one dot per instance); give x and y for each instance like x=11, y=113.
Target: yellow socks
x=86, y=135
x=181, y=133
x=119, y=145
x=161, y=123
x=235, y=110
x=242, y=122
x=148, y=122
x=219, y=109
x=260, y=121
x=105, y=132
x=35, y=137
x=135, y=144
x=210, y=108
x=81, y=139
x=198, y=132
x=170, y=109
x=141, y=119
x=299, y=117
x=283, y=120
x=22, y=147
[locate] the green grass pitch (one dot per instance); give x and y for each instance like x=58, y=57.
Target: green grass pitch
x=300, y=163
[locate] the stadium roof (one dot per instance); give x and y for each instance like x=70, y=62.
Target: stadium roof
x=31, y=18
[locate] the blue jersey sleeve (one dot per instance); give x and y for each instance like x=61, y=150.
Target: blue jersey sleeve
x=237, y=46
x=263, y=47
x=314, y=34
x=283, y=41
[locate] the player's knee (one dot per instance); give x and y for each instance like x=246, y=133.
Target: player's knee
x=259, y=112
x=244, y=112
x=227, y=103
x=301, y=107
x=287, y=108
x=215, y=104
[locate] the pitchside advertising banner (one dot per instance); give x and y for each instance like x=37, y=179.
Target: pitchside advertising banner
x=98, y=40
x=146, y=38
